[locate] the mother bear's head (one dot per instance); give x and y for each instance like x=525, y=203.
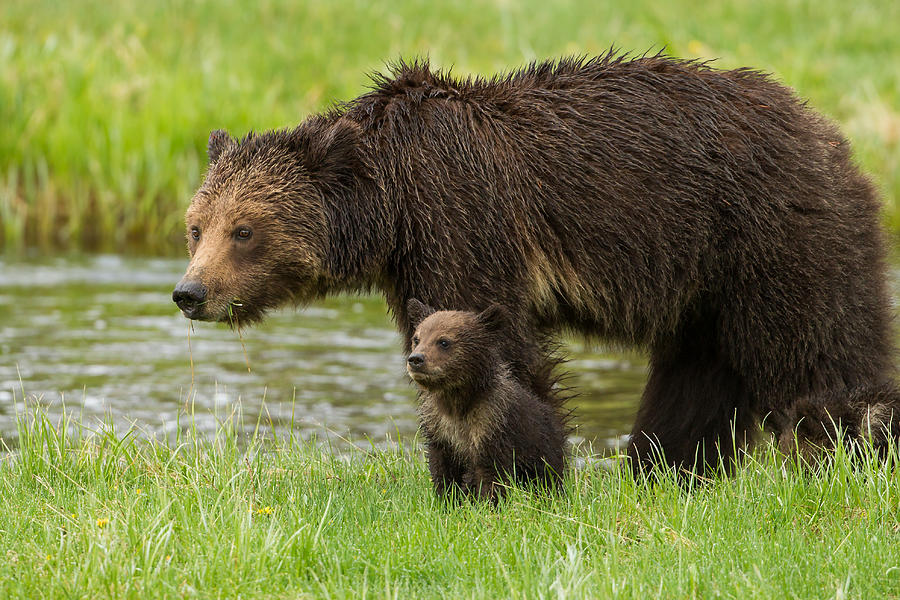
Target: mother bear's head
x=270, y=223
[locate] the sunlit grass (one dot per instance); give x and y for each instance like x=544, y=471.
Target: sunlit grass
x=92, y=512
x=106, y=106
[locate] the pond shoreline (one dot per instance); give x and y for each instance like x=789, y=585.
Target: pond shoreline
x=101, y=332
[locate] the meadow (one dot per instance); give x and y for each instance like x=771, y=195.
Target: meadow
x=90, y=512
x=106, y=106
x=105, y=110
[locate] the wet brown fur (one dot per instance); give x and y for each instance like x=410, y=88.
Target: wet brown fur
x=871, y=416
x=482, y=427
x=708, y=216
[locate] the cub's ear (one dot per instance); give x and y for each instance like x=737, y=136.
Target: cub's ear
x=219, y=142
x=495, y=318
x=417, y=311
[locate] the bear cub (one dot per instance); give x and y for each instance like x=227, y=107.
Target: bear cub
x=483, y=428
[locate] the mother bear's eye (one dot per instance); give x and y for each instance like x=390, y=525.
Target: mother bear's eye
x=195, y=233
x=415, y=340
x=444, y=343
x=243, y=233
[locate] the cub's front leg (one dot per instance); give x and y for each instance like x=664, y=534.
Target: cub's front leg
x=484, y=484
x=446, y=471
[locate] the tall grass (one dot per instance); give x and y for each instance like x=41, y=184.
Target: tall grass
x=105, y=107
x=89, y=512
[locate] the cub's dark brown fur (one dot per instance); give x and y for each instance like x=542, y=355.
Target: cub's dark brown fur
x=482, y=427
x=708, y=216
x=871, y=415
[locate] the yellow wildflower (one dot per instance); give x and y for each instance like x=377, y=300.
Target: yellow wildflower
x=101, y=523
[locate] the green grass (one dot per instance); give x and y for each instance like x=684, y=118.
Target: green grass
x=91, y=513
x=106, y=106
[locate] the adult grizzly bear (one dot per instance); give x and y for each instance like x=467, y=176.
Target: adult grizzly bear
x=709, y=216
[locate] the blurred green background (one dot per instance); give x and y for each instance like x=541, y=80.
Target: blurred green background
x=105, y=107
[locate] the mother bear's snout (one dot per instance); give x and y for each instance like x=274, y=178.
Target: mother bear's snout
x=189, y=295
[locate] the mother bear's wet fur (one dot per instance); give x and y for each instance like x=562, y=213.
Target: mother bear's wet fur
x=708, y=216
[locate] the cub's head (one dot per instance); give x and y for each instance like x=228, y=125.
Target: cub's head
x=454, y=349
x=257, y=229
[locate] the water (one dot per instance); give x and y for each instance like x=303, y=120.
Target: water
x=102, y=334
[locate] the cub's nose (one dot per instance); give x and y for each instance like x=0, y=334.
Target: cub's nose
x=189, y=296
x=415, y=361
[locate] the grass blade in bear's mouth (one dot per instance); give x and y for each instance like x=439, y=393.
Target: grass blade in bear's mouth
x=233, y=321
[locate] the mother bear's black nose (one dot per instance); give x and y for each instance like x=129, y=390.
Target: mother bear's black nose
x=188, y=295
x=416, y=360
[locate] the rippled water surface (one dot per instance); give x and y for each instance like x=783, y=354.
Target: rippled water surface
x=102, y=333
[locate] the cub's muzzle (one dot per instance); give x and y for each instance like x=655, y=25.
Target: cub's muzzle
x=415, y=362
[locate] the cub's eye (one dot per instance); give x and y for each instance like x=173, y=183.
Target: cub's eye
x=415, y=340
x=195, y=233
x=243, y=233
x=444, y=343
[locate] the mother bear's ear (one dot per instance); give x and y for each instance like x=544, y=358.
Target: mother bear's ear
x=417, y=311
x=330, y=152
